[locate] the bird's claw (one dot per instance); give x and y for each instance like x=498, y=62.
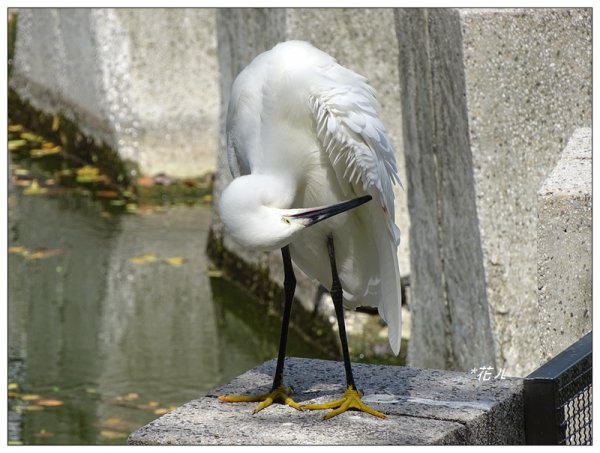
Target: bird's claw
x=279, y=395
x=350, y=400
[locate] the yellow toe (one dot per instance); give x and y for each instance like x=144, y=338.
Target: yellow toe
x=350, y=400
x=279, y=395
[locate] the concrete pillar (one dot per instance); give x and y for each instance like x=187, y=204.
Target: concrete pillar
x=143, y=81
x=564, y=241
x=489, y=99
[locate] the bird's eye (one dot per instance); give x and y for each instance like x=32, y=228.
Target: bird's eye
x=285, y=220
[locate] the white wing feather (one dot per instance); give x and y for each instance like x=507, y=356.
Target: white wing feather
x=352, y=134
x=356, y=142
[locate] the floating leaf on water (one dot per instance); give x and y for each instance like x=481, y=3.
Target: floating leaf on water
x=131, y=396
x=17, y=250
x=161, y=411
x=35, y=189
x=175, y=260
x=45, y=151
x=106, y=193
x=88, y=174
x=15, y=128
x=16, y=144
x=153, y=403
x=143, y=259
x=30, y=397
x=91, y=390
x=13, y=386
x=88, y=170
x=117, y=424
x=214, y=273
x=31, y=137
x=50, y=403
x=43, y=253
x=13, y=394
x=113, y=435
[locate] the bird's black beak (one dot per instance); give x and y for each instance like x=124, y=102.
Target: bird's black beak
x=315, y=215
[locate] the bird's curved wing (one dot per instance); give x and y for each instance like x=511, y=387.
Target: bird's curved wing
x=354, y=138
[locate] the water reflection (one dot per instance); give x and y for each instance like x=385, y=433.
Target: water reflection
x=115, y=341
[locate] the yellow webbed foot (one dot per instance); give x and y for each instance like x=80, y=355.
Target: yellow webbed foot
x=279, y=395
x=350, y=400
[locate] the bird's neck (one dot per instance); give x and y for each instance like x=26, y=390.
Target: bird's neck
x=251, y=208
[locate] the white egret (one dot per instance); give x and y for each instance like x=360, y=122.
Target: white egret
x=308, y=151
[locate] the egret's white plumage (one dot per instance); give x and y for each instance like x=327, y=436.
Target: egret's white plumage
x=302, y=132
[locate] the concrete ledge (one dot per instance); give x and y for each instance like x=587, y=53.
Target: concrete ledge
x=564, y=240
x=424, y=407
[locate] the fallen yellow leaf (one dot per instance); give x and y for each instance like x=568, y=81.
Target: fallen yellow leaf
x=113, y=435
x=161, y=411
x=35, y=189
x=13, y=386
x=30, y=397
x=50, y=403
x=175, y=260
x=45, y=151
x=131, y=396
x=42, y=253
x=143, y=259
x=17, y=249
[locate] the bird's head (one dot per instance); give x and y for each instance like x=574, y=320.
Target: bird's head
x=251, y=212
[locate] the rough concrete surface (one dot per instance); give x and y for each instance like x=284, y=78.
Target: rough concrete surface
x=564, y=248
x=525, y=76
x=423, y=407
x=143, y=81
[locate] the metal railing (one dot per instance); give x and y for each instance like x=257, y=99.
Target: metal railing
x=558, y=398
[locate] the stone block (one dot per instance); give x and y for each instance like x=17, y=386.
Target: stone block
x=490, y=97
x=565, y=248
x=422, y=407
x=143, y=81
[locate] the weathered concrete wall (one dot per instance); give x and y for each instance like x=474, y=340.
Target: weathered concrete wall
x=451, y=327
x=507, y=88
x=564, y=239
x=363, y=40
x=144, y=81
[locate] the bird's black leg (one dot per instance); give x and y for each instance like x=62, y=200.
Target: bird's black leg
x=337, y=296
x=278, y=393
x=289, y=286
x=352, y=397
